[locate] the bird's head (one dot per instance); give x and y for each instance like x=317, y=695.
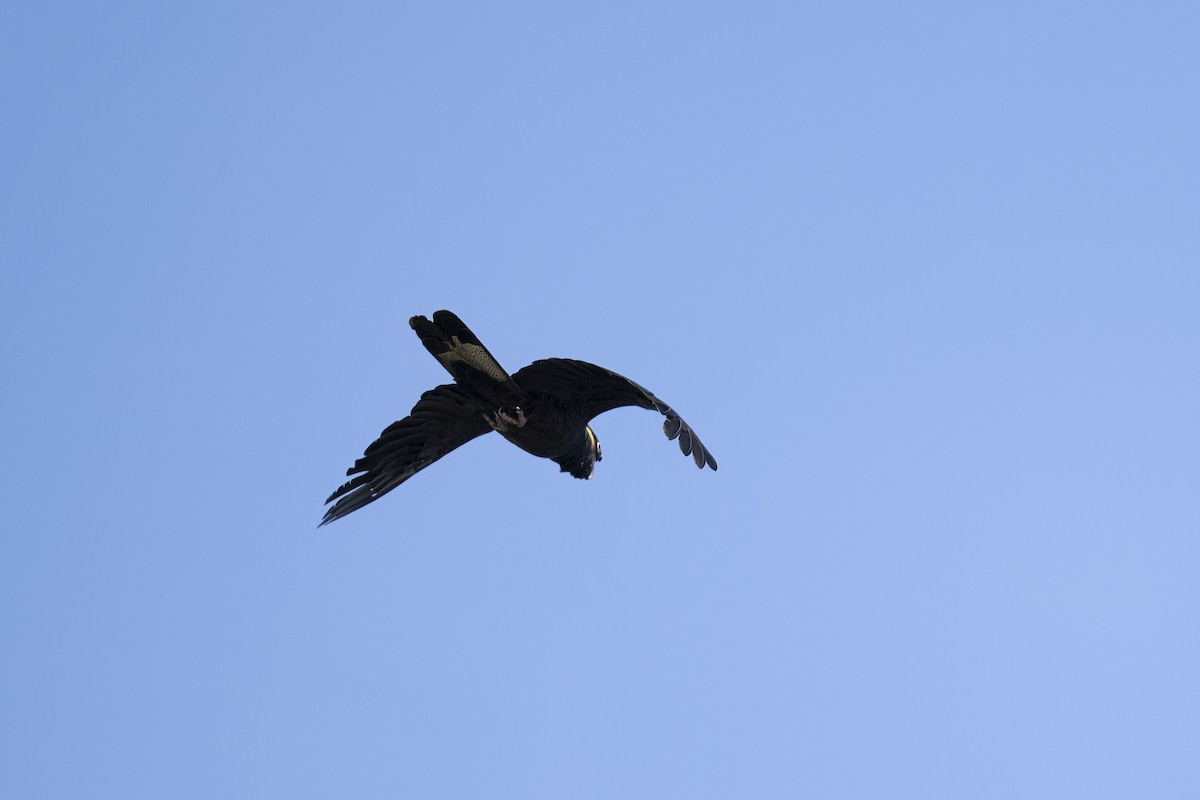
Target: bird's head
x=583, y=466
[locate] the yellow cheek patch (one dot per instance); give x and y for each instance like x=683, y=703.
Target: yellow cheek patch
x=591, y=436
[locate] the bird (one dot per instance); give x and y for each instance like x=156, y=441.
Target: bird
x=545, y=409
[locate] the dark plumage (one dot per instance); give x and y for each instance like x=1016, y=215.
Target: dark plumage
x=544, y=409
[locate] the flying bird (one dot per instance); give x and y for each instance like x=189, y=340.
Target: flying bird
x=544, y=409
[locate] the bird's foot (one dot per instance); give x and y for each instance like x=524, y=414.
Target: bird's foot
x=502, y=420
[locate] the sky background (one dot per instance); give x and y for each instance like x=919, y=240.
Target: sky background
x=925, y=277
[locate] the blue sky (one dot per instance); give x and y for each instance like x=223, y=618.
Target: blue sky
x=923, y=277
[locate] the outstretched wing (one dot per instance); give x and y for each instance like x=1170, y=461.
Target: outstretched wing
x=444, y=418
x=592, y=390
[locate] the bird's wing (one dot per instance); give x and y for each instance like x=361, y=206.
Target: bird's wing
x=592, y=390
x=444, y=418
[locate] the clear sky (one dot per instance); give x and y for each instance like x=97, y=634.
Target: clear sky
x=925, y=277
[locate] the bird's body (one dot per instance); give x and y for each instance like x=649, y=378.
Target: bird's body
x=550, y=431
x=544, y=409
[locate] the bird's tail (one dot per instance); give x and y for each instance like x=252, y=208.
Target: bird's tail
x=459, y=350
